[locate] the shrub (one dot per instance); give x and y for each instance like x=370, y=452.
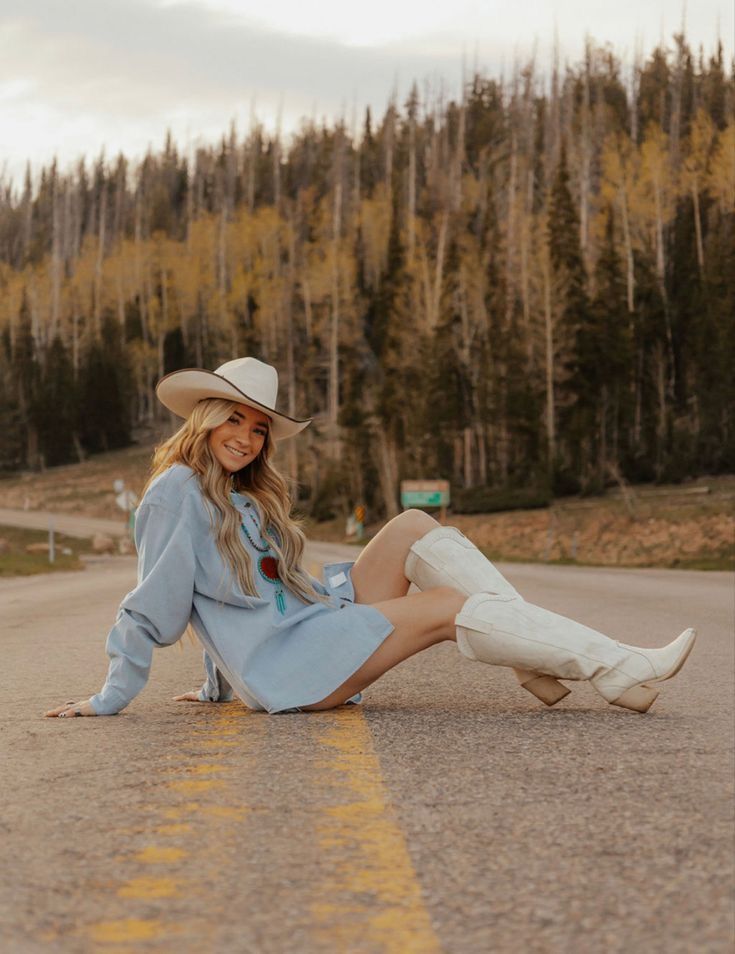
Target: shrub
x=492, y=499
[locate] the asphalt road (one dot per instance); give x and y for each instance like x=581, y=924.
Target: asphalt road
x=68, y=523
x=450, y=812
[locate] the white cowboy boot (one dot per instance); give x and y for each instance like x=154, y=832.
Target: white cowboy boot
x=506, y=631
x=446, y=557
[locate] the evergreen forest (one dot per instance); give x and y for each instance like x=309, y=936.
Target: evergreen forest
x=530, y=288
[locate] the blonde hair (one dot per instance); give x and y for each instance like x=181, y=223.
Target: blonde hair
x=267, y=488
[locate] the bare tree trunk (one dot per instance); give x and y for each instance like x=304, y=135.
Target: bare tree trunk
x=254, y=136
x=387, y=472
x=293, y=463
x=222, y=267
x=75, y=334
x=698, y=225
x=99, y=262
x=661, y=275
x=455, y=169
x=662, y=423
x=389, y=146
x=308, y=318
x=585, y=175
x=602, y=459
x=333, y=411
x=439, y=269
x=139, y=280
x=55, y=261
x=630, y=271
x=638, y=406
x=458, y=459
x=190, y=201
x=525, y=277
x=550, y=400
x=411, y=223
x=120, y=295
x=481, y=453
x=469, y=472
x=164, y=323
x=277, y=163
x=510, y=227
x=635, y=73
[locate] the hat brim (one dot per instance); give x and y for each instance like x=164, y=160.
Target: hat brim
x=181, y=391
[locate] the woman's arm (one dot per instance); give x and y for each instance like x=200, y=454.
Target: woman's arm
x=155, y=613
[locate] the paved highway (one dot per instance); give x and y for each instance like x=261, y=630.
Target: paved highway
x=450, y=812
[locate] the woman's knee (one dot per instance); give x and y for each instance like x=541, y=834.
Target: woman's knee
x=415, y=523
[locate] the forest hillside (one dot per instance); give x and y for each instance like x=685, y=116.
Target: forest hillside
x=532, y=287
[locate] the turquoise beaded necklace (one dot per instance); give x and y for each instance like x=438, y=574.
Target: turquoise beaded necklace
x=267, y=564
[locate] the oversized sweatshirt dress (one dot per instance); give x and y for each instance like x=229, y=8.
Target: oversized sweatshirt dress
x=276, y=652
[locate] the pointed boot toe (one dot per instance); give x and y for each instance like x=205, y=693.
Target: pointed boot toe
x=627, y=683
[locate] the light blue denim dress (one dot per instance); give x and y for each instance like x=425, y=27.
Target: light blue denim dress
x=274, y=661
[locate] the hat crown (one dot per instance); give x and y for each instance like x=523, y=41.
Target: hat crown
x=254, y=378
x=242, y=380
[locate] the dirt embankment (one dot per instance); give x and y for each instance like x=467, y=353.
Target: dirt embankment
x=694, y=540
x=688, y=525
x=85, y=489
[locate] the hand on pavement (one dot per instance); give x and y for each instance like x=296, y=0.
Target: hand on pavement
x=188, y=697
x=72, y=709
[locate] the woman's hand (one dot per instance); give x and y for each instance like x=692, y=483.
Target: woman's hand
x=72, y=709
x=188, y=697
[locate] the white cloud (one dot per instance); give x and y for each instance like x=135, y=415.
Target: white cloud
x=83, y=74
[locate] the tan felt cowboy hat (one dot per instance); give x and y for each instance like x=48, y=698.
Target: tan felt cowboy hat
x=245, y=380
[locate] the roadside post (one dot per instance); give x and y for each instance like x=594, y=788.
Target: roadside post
x=51, y=550
x=426, y=493
x=127, y=501
x=359, y=516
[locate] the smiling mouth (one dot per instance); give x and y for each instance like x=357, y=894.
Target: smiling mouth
x=236, y=453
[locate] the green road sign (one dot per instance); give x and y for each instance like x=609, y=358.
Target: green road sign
x=424, y=498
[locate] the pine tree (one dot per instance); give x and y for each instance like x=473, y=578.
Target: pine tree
x=105, y=392
x=56, y=407
x=26, y=374
x=574, y=330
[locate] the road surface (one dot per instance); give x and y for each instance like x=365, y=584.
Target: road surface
x=70, y=524
x=450, y=812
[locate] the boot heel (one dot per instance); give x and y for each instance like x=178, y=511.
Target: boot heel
x=639, y=698
x=547, y=689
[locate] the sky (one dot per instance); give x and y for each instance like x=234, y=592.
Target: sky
x=81, y=76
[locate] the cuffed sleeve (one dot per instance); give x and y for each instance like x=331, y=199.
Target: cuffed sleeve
x=216, y=688
x=157, y=611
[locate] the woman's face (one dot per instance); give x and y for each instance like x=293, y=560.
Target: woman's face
x=238, y=441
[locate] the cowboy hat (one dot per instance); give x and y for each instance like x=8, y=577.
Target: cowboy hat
x=245, y=380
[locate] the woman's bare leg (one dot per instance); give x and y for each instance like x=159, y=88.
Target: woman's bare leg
x=378, y=572
x=420, y=620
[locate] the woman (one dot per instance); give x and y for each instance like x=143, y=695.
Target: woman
x=217, y=549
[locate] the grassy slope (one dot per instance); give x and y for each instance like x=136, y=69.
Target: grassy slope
x=677, y=526
x=16, y=561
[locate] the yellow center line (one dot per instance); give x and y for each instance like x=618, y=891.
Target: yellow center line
x=126, y=930
x=174, y=881
x=146, y=887
x=158, y=854
x=367, y=896
x=372, y=898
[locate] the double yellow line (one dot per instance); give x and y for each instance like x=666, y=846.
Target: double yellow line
x=366, y=893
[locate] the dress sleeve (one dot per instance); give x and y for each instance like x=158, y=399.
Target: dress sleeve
x=157, y=611
x=216, y=688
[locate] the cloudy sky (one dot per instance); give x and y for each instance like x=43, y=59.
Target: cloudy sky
x=79, y=76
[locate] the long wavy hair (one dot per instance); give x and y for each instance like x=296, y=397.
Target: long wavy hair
x=267, y=488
